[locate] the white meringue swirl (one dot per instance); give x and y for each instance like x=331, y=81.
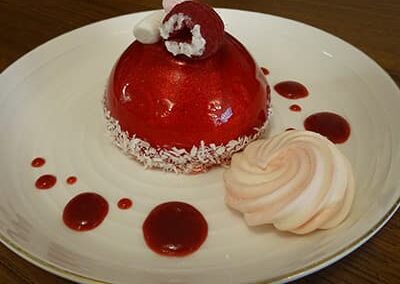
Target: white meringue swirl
x=297, y=180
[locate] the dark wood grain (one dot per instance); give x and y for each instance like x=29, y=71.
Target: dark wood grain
x=372, y=26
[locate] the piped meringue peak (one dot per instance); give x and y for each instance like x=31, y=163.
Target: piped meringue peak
x=298, y=181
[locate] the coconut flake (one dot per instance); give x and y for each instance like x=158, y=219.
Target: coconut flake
x=199, y=159
x=176, y=22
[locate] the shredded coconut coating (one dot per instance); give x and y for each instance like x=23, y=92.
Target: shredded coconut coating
x=199, y=159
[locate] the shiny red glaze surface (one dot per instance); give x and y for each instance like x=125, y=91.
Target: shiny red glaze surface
x=169, y=101
x=291, y=90
x=38, y=162
x=45, y=181
x=331, y=125
x=295, y=108
x=85, y=211
x=71, y=180
x=175, y=229
x=125, y=203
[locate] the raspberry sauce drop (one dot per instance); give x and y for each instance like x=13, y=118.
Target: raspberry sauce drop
x=295, y=108
x=38, y=162
x=291, y=90
x=125, y=203
x=72, y=180
x=85, y=211
x=45, y=182
x=331, y=125
x=175, y=229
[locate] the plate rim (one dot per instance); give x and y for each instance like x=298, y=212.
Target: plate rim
x=290, y=276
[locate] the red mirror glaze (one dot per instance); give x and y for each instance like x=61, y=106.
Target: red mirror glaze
x=171, y=102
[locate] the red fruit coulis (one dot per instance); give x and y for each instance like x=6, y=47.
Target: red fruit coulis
x=71, y=180
x=291, y=90
x=125, y=203
x=85, y=211
x=331, y=125
x=295, y=108
x=45, y=182
x=38, y=162
x=175, y=229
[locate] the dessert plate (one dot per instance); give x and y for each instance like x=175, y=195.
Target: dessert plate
x=51, y=107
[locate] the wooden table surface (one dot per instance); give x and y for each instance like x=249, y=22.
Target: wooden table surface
x=370, y=25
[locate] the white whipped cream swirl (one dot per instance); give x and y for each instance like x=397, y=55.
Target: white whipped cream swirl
x=298, y=181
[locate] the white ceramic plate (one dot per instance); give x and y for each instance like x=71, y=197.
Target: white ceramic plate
x=51, y=106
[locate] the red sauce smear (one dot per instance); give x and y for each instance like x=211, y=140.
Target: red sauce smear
x=85, y=211
x=45, y=182
x=71, y=180
x=265, y=71
x=291, y=90
x=296, y=108
x=331, y=125
x=125, y=203
x=175, y=229
x=290, y=128
x=38, y=162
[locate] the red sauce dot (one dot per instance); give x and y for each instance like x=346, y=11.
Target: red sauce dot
x=85, y=211
x=45, y=182
x=175, y=229
x=331, y=125
x=71, y=180
x=125, y=203
x=38, y=162
x=265, y=71
x=291, y=90
x=296, y=108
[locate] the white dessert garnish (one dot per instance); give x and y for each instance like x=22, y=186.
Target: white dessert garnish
x=147, y=31
x=176, y=22
x=298, y=181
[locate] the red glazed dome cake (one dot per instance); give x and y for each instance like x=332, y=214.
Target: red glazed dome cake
x=185, y=95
